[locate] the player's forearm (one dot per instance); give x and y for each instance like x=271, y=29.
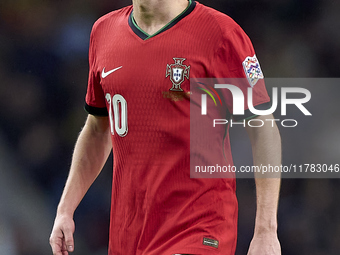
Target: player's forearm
x=267, y=191
x=90, y=154
x=266, y=146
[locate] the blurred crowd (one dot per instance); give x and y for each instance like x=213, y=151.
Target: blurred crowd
x=43, y=79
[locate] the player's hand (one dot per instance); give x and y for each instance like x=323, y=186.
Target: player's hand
x=265, y=244
x=61, y=239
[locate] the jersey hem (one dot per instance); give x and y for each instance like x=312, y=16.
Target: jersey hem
x=201, y=251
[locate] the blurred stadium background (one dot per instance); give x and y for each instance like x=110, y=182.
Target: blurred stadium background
x=43, y=79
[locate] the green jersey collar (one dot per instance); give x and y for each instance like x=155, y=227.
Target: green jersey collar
x=144, y=36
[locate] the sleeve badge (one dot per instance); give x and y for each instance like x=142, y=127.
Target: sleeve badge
x=252, y=70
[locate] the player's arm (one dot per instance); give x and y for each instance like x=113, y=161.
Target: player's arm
x=90, y=154
x=266, y=147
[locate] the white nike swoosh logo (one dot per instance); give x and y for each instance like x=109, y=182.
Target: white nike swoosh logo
x=105, y=74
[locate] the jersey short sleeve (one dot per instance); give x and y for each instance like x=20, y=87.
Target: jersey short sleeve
x=243, y=70
x=95, y=99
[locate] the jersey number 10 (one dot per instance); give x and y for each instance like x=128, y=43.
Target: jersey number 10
x=117, y=114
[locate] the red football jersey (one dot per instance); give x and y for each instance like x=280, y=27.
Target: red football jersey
x=135, y=79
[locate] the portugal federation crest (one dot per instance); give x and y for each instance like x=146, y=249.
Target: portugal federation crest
x=177, y=72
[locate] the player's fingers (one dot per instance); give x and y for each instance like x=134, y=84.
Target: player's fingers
x=56, y=246
x=68, y=236
x=63, y=247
